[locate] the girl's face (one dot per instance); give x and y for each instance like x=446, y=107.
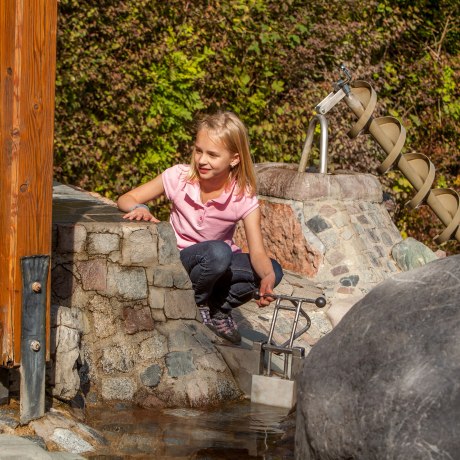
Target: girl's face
x=212, y=159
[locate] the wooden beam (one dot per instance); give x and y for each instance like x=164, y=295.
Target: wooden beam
x=27, y=72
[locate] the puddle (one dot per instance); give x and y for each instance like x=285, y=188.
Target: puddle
x=234, y=431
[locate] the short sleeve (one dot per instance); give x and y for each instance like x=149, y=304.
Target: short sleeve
x=173, y=179
x=249, y=204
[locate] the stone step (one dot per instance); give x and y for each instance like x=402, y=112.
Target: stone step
x=16, y=447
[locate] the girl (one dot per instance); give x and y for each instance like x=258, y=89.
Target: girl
x=209, y=197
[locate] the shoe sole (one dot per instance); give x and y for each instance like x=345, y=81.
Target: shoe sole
x=235, y=341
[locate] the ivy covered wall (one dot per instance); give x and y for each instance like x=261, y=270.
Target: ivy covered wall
x=132, y=76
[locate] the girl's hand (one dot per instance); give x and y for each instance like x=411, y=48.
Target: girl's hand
x=141, y=213
x=266, y=287
x=132, y=202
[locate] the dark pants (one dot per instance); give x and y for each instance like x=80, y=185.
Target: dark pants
x=221, y=278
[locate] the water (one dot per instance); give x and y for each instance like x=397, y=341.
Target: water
x=234, y=431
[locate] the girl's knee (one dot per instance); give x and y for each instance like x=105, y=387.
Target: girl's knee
x=221, y=255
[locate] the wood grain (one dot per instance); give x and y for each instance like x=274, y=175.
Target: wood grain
x=27, y=72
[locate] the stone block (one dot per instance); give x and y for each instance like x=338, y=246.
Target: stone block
x=386, y=238
x=339, y=270
x=197, y=390
x=103, y=243
x=153, y=348
x=373, y=235
x=139, y=247
x=118, y=358
x=129, y=283
x=158, y=316
x=179, y=363
x=351, y=280
x=103, y=317
x=118, y=388
x=163, y=276
x=363, y=219
x=67, y=339
x=317, y=224
x=340, y=220
x=66, y=378
x=180, y=304
x=137, y=320
x=65, y=316
x=151, y=376
x=71, y=238
x=347, y=234
x=327, y=210
x=330, y=239
x=167, y=244
x=157, y=297
x=335, y=257
x=93, y=274
x=180, y=278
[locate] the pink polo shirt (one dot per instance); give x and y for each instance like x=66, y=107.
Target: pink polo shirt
x=193, y=221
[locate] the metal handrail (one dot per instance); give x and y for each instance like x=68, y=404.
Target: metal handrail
x=323, y=144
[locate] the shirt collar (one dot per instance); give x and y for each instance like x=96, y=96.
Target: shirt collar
x=192, y=189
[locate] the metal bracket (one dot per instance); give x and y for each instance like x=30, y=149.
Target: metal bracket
x=341, y=89
x=33, y=336
x=330, y=101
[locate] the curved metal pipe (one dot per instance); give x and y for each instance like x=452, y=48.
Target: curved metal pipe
x=323, y=144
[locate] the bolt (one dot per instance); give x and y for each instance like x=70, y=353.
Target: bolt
x=35, y=345
x=36, y=287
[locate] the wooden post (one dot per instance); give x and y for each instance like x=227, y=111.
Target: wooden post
x=27, y=72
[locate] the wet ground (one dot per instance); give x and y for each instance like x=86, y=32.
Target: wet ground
x=236, y=431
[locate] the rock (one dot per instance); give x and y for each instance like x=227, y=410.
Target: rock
x=118, y=388
x=70, y=442
x=179, y=363
x=385, y=382
x=410, y=254
x=63, y=430
x=129, y=283
x=151, y=376
x=139, y=246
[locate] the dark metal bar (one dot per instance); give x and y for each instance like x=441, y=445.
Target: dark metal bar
x=33, y=336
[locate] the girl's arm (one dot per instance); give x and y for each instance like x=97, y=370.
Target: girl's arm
x=259, y=259
x=141, y=195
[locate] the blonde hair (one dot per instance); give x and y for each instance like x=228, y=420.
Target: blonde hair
x=227, y=128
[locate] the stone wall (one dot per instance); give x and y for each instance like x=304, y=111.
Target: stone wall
x=124, y=323
x=123, y=320
x=334, y=229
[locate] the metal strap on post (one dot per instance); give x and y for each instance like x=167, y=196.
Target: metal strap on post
x=33, y=336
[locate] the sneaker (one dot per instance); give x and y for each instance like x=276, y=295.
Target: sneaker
x=205, y=314
x=224, y=326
